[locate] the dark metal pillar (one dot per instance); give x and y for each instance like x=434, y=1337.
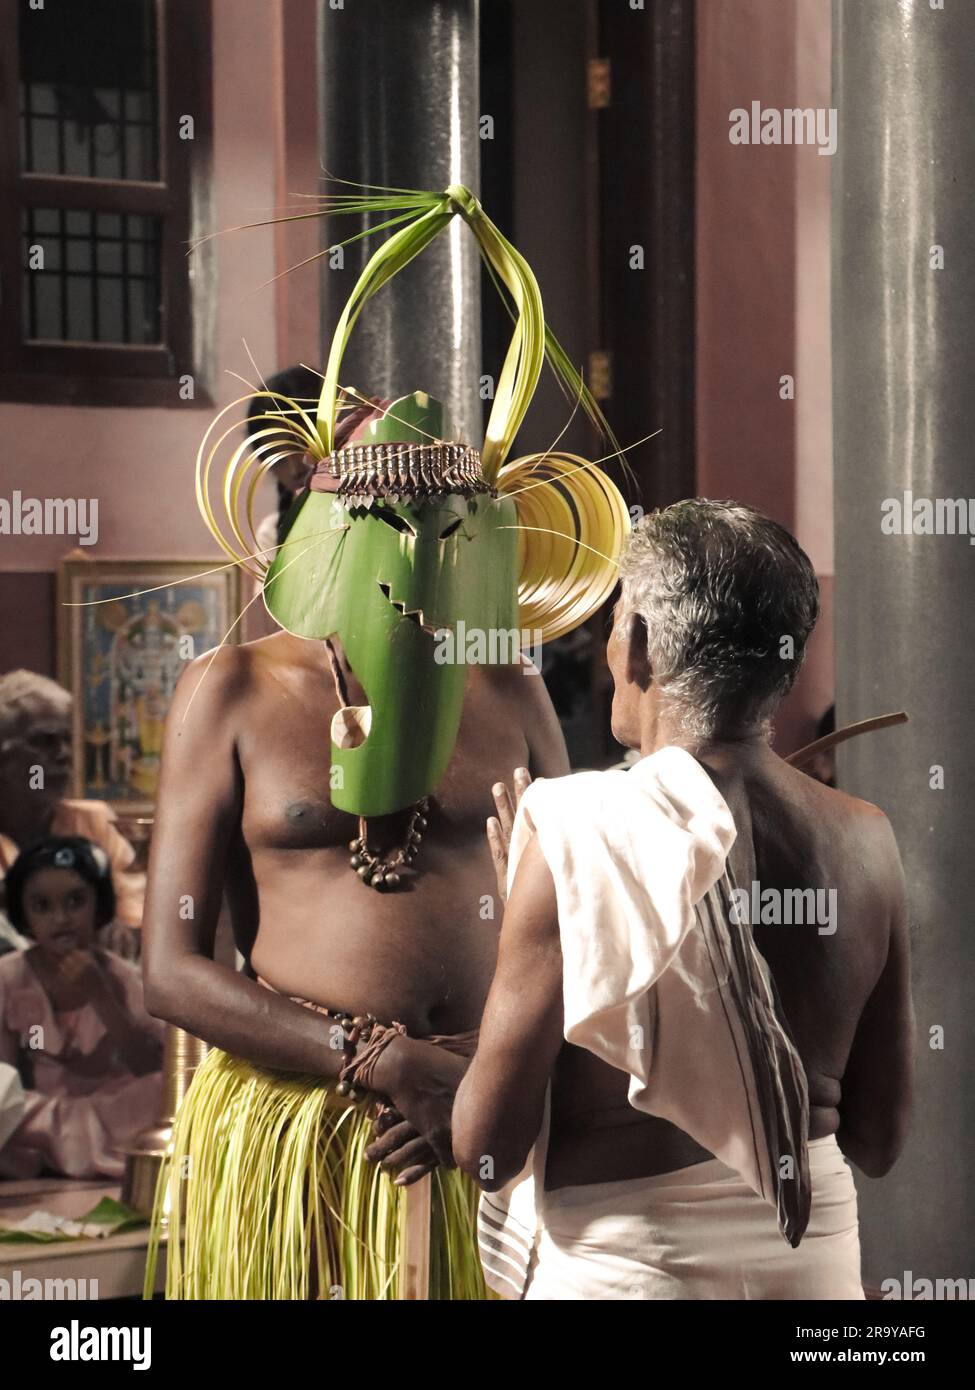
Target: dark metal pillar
x=904, y=403
x=646, y=197
x=399, y=88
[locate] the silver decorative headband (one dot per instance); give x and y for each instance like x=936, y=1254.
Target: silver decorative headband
x=398, y=472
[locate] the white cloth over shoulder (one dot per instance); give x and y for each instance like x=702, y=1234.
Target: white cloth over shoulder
x=661, y=982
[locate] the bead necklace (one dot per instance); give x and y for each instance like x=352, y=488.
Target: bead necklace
x=381, y=870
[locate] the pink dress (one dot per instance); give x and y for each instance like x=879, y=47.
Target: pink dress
x=83, y=1105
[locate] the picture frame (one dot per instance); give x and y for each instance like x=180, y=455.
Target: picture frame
x=126, y=630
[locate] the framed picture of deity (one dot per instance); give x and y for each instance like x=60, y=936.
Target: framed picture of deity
x=126, y=630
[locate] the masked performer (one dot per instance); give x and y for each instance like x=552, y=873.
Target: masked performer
x=334, y=780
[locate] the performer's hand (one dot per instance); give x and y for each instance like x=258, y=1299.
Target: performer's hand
x=499, y=827
x=420, y=1081
x=397, y=1147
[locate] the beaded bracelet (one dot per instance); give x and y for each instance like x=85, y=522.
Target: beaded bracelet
x=364, y=1039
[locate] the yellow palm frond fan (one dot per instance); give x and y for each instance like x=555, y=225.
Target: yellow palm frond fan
x=572, y=524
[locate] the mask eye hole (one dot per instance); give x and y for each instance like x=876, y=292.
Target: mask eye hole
x=449, y=531
x=394, y=520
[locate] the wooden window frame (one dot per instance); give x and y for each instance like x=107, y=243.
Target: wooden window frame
x=50, y=372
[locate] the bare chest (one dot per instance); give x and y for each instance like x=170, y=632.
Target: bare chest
x=287, y=779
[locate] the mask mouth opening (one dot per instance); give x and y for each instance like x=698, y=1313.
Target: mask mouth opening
x=415, y=615
x=351, y=725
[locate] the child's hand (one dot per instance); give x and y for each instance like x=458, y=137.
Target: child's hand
x=82, y=970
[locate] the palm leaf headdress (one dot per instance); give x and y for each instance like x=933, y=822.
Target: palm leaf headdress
x=572, y=520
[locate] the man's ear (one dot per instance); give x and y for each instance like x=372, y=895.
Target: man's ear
x=638, y=668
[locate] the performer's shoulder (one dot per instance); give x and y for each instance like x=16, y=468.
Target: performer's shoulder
x=521, y=676
x=217, y=678
x=520, y=681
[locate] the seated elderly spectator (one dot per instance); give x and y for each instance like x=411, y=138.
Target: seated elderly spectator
x=702, y=1001
x=72, y=1020
x=35, y=770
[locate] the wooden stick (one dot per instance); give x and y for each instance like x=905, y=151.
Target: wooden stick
x=416, y=1240
x=865, y=726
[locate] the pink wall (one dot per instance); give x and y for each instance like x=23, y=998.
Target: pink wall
x=763, y=295
x=139, y=463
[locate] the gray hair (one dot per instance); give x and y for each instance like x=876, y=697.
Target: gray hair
x=21, y=692
x=729, y=599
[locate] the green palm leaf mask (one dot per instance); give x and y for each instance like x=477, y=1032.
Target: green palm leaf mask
x=390, y=579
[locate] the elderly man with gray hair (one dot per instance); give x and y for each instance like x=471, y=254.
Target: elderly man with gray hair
x=674, y=1065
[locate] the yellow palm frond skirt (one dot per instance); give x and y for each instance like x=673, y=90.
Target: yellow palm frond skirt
x=267, y=1182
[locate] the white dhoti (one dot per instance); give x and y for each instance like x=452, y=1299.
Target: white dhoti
x=697, y=1233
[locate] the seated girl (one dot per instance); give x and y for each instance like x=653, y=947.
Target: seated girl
x=72, y=1019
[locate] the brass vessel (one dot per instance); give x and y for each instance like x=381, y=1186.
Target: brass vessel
x=182, y=1055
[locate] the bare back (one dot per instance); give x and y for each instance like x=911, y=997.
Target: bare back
x=841, y=977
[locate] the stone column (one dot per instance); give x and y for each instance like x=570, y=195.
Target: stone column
x=904, y=402
x=399, y=89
